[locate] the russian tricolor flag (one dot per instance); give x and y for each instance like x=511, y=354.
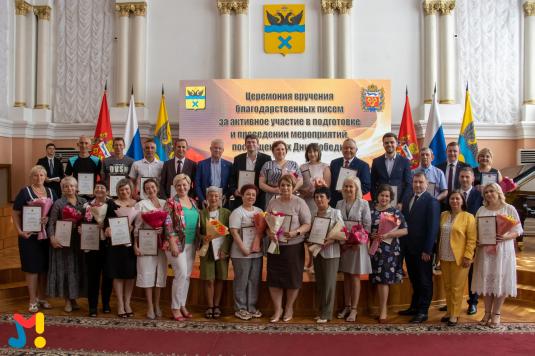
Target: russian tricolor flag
x=434, y=135
x=132, y=138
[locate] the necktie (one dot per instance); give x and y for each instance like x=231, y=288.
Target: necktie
x=51, y=165
x=416, y=196
x=178, y=167
x=465, y=196
x=346, y=163
x=450, y=178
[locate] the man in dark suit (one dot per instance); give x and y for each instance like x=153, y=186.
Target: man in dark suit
x=474, y=200
x=422, y=213
x=391, y=168
x=54, y=169
x=213, y=171
x=252, y=160
x=350, y=161
x=176, y=165
x=452, y=166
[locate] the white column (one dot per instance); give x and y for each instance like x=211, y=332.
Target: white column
x=344, y=34
x=447, y=53
x=529, y=52
x=327, y=39
x=123, y=11
x=139, y=67
x=42, y=100
x=242, y=40
x=430, y=49
x=226, y=44
x=21, y=10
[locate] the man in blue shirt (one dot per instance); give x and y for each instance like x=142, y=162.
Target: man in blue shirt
x=437, y=186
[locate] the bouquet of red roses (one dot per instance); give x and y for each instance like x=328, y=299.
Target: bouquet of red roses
x=155, y=219
x=70, y=213
x=45, y=204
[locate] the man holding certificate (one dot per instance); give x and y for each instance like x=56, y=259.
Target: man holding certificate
x=246, y=170
x=117, y=166
x=348, y=166
x=175, y=166
x=436, y=181
x=148, y=167
x=85, y=168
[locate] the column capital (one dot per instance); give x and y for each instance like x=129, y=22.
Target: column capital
x=446, y=7
x=529, y=8
x=327, y=6
x=22, y=8
x=140, y=8
x=241, y=7
x=123, y=9
x=42, y=12
x=430, y=7
x=343, y=6
x=225, y=7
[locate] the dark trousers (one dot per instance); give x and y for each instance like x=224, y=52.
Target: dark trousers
x=472, y=297
x=96, y=267
x=421, y=277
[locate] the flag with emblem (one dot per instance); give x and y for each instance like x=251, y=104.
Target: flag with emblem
x=407, y=140
x=284, y=28
x=162, y=133
x=102, y=140
x=467, y=136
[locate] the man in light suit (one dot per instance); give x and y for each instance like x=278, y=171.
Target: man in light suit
x=213, y=171
x=350, y=161
x=391, y=168
x=176, y=165
x=252, y=160
x=474, y=200
x=452, y=166
x=54, y=169
x=422, y=213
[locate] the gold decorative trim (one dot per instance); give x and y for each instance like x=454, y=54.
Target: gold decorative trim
x=20, y=104
x=327, y=6
x=226, y=7
x=430, y=7
x=123, y=9
x=22, y=8
x=343, y=6
x=41, y=106
x=530, y=101
x=446, y=7
x=529, y=8
x=241, y=7
x=428, y=101
x=446, y=101
x=137, y=8
x=139, y=104
x=42, y=12
x=121, y=105
x=140, y=9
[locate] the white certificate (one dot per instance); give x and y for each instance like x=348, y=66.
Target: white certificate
x=394, y=201
x=344, y=173
x=217, y=243
x=63, y=232
x=248, y=235
x=245, y=177
x=148, y=242
x=90, y=237
x=307, y=178
x=31, y=218
x=319, y=230
x=490, y=177
x=140, y=188
x=431, y=188
x=86, y=182
x=486, y=230
x=113, y=184
x=120, y=232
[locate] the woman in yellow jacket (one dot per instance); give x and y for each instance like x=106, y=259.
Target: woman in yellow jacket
x=456, y=250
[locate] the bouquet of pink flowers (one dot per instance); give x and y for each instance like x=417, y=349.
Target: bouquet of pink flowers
x=357, y=235
x=155, y=218
x=274, y=221
x=45, y=204
x=508, y=185
x=259, y=221
x=128, y=212
x=70, y=213
x=388, y=222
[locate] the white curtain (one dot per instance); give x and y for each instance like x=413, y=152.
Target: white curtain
x=488, y=46
x=4, y=50
x=84, y=37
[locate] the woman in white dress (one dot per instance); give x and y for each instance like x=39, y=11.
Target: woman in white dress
x=151, y=270
x=315, y=174
x=494, y=275
x=354, y=260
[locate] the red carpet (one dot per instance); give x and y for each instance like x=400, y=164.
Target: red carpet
x=145, y=338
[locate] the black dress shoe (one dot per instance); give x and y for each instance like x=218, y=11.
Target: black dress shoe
x=418, y=319
x=444, y=319
x=472, y=309
x=443, y=308
x=409, y=311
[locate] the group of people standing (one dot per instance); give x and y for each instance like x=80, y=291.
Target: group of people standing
x=435, y=209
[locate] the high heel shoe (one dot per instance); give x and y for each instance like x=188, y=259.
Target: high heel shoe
x=486, y=319
x=352, y=315
x=276, y=318
x=344, y=312
x=496, y=322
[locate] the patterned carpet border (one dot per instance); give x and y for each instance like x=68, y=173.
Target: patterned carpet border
x=8, y=351
x=287, y=328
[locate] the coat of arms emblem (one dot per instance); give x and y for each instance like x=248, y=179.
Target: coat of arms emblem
x=195, y=98
x=372, y=99
x=284, y=29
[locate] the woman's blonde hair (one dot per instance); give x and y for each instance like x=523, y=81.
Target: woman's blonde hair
x=68, y=180
x=484, y=151
x=122, y=183
x=496, y=187
x=356, y=183
x=180, y=177
x=37, y=168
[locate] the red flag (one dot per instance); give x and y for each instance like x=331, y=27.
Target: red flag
x=407, y=140
x=102, y=141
